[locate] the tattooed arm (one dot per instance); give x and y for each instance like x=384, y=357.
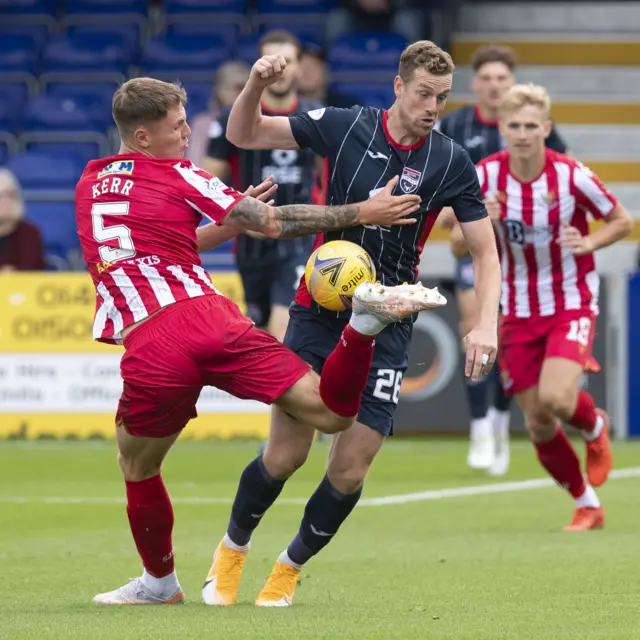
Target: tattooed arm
x=296, y=220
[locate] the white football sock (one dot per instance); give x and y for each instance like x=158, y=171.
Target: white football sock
x=590, y=436
x=366, y=324
x=588, y=499
x=230, y=544
x=481, y=429
x=284, y=558
x=500, y=422
x=166, y=586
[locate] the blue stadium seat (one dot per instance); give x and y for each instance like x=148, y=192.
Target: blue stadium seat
x=106, y=6
x=48, y=113
x=87, y=50
x=46, y=7
x=80, y=152
x=227, y=31
x=4, y=151
x=177, y=51
x=57, y=223
x=18, y=52
x=39, y=32
x=127, y=34
x=375, y=94
x=11, y=106
x=45, y=171
x=306, y=32
x=100, y=91
x=295, y=6
x=206, y=6
x=366, y=51
x=246, y=49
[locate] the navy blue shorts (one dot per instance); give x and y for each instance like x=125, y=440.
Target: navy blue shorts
x=269, y=282
x=464, y=274
x=314, y=333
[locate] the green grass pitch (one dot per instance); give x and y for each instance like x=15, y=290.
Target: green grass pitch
x=478, y=567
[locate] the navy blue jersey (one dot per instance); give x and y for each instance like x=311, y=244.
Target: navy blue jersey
x=362, y=158
x=481, y=138
x=294, y=171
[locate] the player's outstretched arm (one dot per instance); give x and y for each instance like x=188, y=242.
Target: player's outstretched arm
x=296, y=220
x=247, y=128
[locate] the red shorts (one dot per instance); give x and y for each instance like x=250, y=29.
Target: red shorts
x=203, y=341
x=525, y=344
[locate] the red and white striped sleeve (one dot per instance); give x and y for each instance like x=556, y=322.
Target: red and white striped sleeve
x=208, y=195
x=591, y=193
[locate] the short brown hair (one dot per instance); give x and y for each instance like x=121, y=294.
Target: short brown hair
x=280, y=36
x=426, y=55
x=142, y=101
x=494, y=53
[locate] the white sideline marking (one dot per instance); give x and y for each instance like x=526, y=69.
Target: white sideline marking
x=402, y=498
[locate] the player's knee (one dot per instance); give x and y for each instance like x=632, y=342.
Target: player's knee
x=138, y=468
x=283, y=461
x=541, y=425
x=347, y=473
x=556, y=399
x=331, y=423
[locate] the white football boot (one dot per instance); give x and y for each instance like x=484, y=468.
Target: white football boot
x=135, y=592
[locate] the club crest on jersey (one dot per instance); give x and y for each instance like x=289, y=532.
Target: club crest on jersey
x=550, y=199
x=124, y=168
x=409, y=180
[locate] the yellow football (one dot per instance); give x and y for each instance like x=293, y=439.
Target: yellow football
x=333, y=272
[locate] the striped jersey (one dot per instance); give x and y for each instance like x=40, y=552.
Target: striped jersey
x=294, y=172
x=362, y=157
x=539, y=277
x=137, y=219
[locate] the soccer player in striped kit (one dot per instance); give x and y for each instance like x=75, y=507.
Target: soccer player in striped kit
x=475, y=128
x=539, y=201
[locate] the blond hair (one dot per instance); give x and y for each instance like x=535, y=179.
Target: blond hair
x=426, y=55
x=14, y=191
x=522, y=95
x=143, y=101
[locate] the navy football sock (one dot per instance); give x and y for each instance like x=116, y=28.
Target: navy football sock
x=257, y=491
x=501, y=401
x=326, y=510
x=478, y=396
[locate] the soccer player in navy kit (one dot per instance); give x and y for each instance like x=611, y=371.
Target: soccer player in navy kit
x=270, y=268
x=475, y=128
x=364, y=148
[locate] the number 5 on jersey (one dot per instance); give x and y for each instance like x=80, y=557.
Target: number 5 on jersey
x=118, y=232
x=391, y=380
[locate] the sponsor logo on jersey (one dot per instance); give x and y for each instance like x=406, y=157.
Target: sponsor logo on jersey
x=103, y=266
x=123, y=168
x=409, y=180
x=316, y=114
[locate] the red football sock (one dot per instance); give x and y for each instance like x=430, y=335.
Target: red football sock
x=151, y=519
x=585, y=416
x=346, y=371
x=559, y=458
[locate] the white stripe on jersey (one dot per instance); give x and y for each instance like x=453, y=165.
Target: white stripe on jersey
x=212, y=189
x=192, y=288
x=130, y=293
x=585, y=183
x=159, y=285
x=521, y=271
x=493, y=169
x=593, y=282
x=110, y=310
x=335, y=164
x=364, y=155
x=567, y=204
x=202, y=274
x=546, y=297
x=504, y=266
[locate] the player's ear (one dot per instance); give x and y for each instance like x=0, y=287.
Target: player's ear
x=141, y=138
x=398, y=86
x=547, y=127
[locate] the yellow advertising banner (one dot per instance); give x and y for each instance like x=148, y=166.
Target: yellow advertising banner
x=56, y=381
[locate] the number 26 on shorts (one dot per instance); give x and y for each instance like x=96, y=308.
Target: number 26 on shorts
x=579, y=331
x=388, y=385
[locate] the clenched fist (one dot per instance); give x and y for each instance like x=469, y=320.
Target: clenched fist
x=267, y=70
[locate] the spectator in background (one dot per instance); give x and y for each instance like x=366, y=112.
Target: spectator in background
x=314, y=82
x=21, y=247
x=406, y=17
x=229, y=81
